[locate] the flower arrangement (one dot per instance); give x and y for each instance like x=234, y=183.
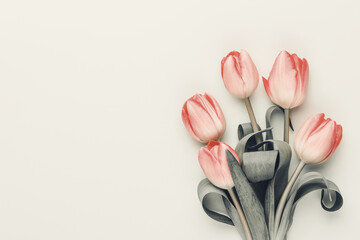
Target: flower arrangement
x=249, y=186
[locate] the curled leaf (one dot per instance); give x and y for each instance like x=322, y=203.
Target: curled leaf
x=218, y=206
x=259, y=166
x=331, y=199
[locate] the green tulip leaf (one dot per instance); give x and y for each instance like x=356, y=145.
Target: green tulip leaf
x=251, y=206
x=259, y=166
x=278, y=183
x=331, y=199
x=218, y=206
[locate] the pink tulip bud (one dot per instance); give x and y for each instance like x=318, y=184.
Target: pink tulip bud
x=288, y=80
x=212, y=159
x=239, y=74
x=203, y=118
x=317, y=139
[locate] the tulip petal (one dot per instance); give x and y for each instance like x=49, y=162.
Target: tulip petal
x=317, y=139
x=202, y=123
x=338, y=137
x=212, y=159
x=239, y=74
x=217, y=108
x=232, y=76
x=288, y=79
x=297, y=92
x=248, y=72
x=305, y=131
x=304, y=83
x=210, y=165
x=282, y=80
x=305, y=72
x=339, y=131
x=267, y=88
x=320, y=143
x=218, y=122
x=203, y=118
x=186, y=121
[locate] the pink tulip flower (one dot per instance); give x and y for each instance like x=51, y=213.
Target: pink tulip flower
x=212, y=159
x=203, y=118
x=288, y=80
x=317, y=139
x=239, y=74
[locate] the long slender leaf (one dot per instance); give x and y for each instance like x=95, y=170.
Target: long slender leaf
x=252, y=208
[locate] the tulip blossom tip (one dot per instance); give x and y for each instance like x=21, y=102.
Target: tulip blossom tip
x=288, y=80
x=203, y=118
x=213, y=161
x=317, y=139
x=239, y=74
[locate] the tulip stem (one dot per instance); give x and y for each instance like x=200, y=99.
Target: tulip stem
x=241, y=214
x=254, y=124
x=280, y=206
x=250, y=110
x=286, y=124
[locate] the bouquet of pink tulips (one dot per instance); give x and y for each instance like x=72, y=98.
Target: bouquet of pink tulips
x=249, y=186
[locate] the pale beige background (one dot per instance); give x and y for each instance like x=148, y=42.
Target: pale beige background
x=91, y=141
